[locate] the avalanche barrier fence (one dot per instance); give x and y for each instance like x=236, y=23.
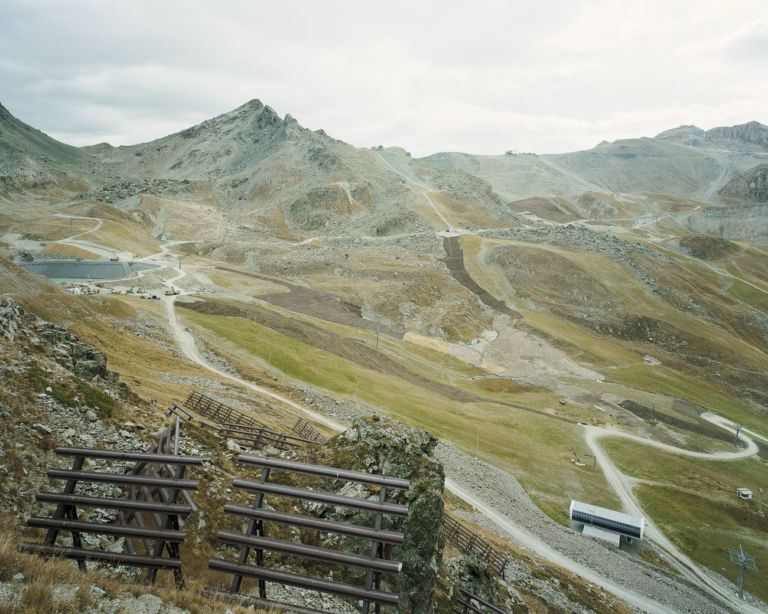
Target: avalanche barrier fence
x=254, y=537
x=149, y=517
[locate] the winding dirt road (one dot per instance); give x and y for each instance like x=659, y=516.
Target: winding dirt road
x=76, y=239
x=425, y=192
x=545, y=551
x=616, y=479
x=186, y=343
x=622, y=486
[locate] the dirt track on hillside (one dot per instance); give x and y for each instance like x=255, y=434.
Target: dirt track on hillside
x=317, y=304
x=454, y=260
x=700, y=427
x=350, y=349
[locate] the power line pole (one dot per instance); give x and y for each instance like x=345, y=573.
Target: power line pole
x=736, y=439
x=745, y=562
x=593, y=457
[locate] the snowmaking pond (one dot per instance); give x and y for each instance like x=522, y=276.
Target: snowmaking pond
x=59, y=270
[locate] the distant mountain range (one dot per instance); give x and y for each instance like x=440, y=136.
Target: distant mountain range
x=251, y=162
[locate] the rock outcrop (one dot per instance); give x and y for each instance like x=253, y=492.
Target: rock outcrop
x=56, y=341
x=753, y=133
x=751, y=186
x=392, y=449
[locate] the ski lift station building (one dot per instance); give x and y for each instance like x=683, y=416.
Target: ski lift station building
x=606, y=524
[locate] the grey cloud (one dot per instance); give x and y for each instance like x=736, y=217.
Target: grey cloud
x=482, y=77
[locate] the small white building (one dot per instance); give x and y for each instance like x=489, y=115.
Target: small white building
x=744, y=493
x=606, y=524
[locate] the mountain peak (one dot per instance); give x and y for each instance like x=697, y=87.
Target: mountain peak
x=685, y=135
x=252, y=112
x=252, y=105
x=752, y=132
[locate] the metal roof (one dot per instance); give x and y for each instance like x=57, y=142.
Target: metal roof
x=586, y=508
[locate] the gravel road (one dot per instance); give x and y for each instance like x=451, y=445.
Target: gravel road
x=499, y=496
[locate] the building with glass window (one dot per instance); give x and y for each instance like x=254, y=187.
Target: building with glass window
x=604, y=523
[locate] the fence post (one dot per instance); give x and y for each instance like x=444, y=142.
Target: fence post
x=254, y=527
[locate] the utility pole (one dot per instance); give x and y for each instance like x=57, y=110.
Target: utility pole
x=745, y=562
x=760, y=504
x=593, y=457
x=736, y=439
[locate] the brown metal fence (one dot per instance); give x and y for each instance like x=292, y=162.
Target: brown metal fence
x=306, y=430
x=466, y=603
x=242, y=428
x=149, y=517
x=468, y=542
x=182, y=414
x=260, y=437
x=212, y=409
x=254, y=535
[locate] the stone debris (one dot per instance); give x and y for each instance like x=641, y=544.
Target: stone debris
x=56, y=341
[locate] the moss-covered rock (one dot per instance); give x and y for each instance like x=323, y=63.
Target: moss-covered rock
x=472, y=574
x=390, y=448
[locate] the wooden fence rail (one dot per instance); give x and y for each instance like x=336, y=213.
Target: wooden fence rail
x=306, y=430
x=243, y=428
x=468, y=603
x=212, y=409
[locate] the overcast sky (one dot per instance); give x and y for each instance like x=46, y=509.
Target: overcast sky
x=477, y=76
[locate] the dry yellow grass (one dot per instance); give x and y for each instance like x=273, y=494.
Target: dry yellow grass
x=52, y=228
x=60, y=249
x=42, y=575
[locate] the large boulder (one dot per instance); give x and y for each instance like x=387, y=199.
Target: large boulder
x=88, y=362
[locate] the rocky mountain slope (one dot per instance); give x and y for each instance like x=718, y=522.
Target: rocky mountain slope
x=257, y=161
x=30, y=159
x=685, y=161
x=269, y=175
x=566, y=285
x=57, y=391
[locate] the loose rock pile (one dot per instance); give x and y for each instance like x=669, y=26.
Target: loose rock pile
x=125, y=189
x=56, y=341
x=581, y=238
